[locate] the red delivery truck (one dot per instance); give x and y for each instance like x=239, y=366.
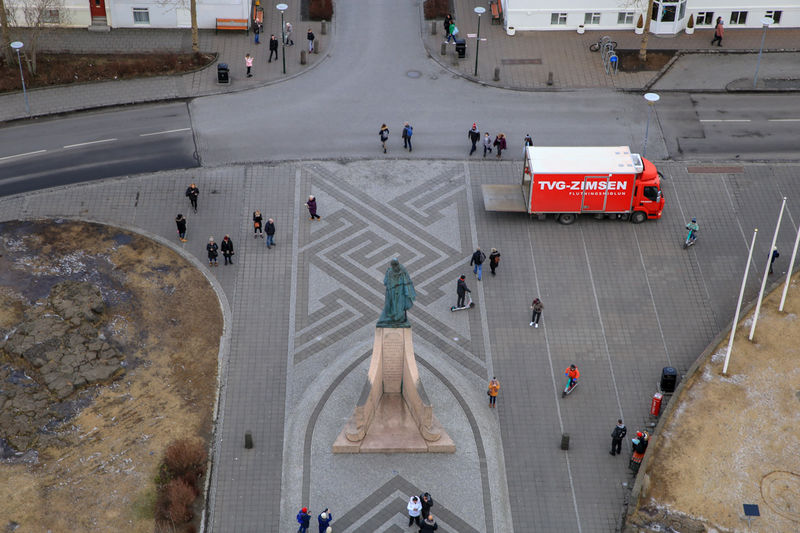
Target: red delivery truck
x=567, y=181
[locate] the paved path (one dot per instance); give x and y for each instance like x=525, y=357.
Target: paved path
x=621, y=301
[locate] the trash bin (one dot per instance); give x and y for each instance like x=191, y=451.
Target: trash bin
x=222, y=73
x=669, y=379
x=461, y=48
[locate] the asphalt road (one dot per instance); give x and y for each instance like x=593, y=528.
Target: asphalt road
x=93, y=146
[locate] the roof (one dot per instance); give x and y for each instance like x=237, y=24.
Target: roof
x=583, y=159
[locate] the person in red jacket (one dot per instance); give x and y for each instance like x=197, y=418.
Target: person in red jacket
x=573, y=374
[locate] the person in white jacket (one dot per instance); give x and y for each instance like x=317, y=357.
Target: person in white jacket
x=414, y=509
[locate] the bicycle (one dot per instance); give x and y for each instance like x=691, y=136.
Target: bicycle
x=594, y=47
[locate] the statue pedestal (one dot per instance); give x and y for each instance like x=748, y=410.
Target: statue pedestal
x=393, y=414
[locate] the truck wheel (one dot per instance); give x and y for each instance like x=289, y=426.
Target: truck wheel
x=566, y=218
x=638, y=217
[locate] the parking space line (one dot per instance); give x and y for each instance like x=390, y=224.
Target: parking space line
x=163, y=132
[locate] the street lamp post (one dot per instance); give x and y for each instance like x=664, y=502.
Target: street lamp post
x=765, y=22
x=282, y=8
x=16, y=45
x=480, y=11
x=651, y=98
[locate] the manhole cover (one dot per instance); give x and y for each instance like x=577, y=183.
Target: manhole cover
x=413, y=74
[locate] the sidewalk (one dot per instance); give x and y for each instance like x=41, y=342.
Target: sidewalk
x=231, y=48
x=526, y=59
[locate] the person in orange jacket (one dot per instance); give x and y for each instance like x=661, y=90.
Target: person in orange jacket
x=494, y=389
x=573, y=374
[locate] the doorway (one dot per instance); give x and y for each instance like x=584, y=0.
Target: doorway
x=667, y=17
x=97, y=8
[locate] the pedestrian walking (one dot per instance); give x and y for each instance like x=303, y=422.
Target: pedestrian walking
x=414, y=509
x=478, y=258
x=227, y=249
x=537, y=306
x=408, y=131
x=304, y=519
x=427, y=502
x=494, y=260
x=617, y=435
x=528, y=140
x=500, y=143
x=273, y=47
x=773, y=256
x=719, y=31
x=461, y=291
x=192, y=193
x=452, y=32
x=258, y=223
x=248, y=62
x=311, y=204
x=383, y=134
x=474, y=136
x=180, y=221
x=324, y=519
x=256, y=31
x=487, y=143
x=270, y=230
x=448, y=19
x=310, y=37
x=494, y=390
x=288, y=35
x=212, y=248
x=429, y=524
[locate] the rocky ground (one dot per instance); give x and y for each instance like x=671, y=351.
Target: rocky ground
x=108, y=352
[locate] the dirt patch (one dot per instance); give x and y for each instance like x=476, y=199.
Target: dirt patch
x=733, y=439
x=629, y=60
x=62, y=69
x=98, y=473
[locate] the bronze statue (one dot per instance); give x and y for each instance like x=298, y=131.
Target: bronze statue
x=400, y=296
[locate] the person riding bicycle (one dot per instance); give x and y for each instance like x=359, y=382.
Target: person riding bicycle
x=693, y=227
x=573, y=374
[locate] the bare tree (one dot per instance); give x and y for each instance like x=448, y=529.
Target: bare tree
x=177, y=4
x=646, y=34
x=37, y=19
x=6, y=31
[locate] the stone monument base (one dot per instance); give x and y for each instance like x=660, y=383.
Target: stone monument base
x=393, y=414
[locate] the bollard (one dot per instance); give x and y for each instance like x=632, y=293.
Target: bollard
x=302, y=57
x=444, y=49
x=565, y=441
x=454, y=59
x=316, y=46
x=496, y=73
x=248, y=440
x=324, y=27
x=433, y=27
x=550, y=78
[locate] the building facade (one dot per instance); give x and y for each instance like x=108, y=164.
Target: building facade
x=669, y=16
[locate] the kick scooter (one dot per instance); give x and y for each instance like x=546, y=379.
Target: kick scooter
x=470, y=304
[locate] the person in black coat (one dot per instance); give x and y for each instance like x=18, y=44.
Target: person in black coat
x=427, y=502
x=212, y=248
x=270, y=230
x=192, y=193
x=616, y=437
x=258, y=224
x=461, y=290
x=180, y=221
x=273, y=47
x=227, y=249
x=428, y=524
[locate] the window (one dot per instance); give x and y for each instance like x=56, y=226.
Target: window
x=704, y=18
x=625, y=17
x=774, y=15
x=50, y=16
x=651, y=193
x=558, y=19
x=591, y=18
x=141, y=15
x=738, y=17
